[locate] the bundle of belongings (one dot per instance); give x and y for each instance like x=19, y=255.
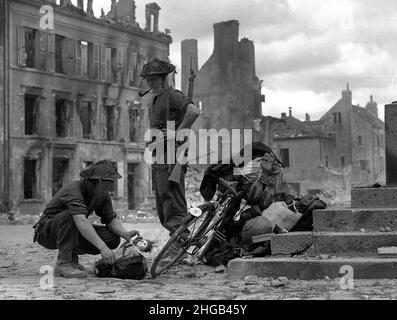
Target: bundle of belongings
x=130, y=264
x=263, y=209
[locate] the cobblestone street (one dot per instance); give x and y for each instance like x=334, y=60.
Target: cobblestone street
x=21, y=260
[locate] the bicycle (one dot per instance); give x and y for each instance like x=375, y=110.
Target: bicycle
x=204, y=225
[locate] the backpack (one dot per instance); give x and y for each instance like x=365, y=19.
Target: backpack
x=306, y=205
x=130, y=266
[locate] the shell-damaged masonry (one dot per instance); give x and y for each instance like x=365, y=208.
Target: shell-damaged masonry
x=236, y=203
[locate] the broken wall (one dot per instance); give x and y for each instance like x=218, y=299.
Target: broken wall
x=226, y=85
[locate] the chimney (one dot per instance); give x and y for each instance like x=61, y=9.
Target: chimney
x=152, y=9
x=80, y=4
x=307, y=116
x=290, y=111
x=226, y=42
x=347, y=95
x=372, y=106
x=283, y=115
x=90, y=11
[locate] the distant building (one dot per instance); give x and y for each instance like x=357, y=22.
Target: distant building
x=344, y=148
x=73, y=98
x=226, y=88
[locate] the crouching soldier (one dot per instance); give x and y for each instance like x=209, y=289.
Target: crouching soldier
x=64, y=224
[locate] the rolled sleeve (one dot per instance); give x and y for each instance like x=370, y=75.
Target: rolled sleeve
x=105, y=211
x=74, y=204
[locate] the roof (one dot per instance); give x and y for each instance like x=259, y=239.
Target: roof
x=369, y=116
x=292, y=128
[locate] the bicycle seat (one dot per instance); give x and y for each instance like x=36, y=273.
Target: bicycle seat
x=229, y=185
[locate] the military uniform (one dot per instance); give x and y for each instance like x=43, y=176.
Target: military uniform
x=56, y=228
x=168, y=105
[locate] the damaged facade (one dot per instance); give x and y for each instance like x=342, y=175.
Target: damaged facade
x=226, y=87
x=73, y=97
x=344, y=148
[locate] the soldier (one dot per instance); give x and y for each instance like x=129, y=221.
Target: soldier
x=169, y=104
x=64, y=224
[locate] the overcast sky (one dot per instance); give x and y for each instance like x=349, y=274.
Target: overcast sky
x=306, y=50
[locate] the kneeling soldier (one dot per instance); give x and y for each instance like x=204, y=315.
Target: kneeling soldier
x=64, y=224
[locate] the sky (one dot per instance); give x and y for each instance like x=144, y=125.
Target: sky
x=306, y=50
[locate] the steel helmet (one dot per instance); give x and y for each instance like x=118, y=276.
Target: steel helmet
x=157, y=67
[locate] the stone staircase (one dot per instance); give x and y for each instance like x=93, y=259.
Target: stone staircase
x=341, y=237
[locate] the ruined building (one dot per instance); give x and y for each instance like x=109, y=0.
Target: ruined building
x=344, y=148
x=226, y=87
x=70, y=97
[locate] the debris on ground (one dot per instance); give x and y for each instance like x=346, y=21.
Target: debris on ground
x=220, y=269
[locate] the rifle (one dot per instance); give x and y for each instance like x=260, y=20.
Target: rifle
x=176, y=172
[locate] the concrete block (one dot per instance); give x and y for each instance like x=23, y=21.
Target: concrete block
x=345, y=220
x=291, y=243
x=336, y=219
x=374, y=197
x=312, y=269
x=331, y=242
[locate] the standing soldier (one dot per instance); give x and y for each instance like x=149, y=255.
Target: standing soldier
x=168, y=104
x=64, y=224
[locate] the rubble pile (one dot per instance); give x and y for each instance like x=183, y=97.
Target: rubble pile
x=16, y=218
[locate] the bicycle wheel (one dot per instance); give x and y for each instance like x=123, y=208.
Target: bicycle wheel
x=177, y=245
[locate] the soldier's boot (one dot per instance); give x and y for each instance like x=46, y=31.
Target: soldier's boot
x=65, y=267
x=75, y=260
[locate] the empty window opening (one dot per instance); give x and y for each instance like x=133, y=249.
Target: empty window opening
x=284, y=155
x=326, y=161
x=114, y=64
x=30, y=179
x=82, y=58
x=59, y=48
x=360, y=140
x=110, y=122
x=337, y=117
x=61, y=118
x=131, y=185
x=342, y=161
x=31, y=42
x=86, y=117
x=59, y=170
x=363, y=164
x=134, y=124
x=31, y=113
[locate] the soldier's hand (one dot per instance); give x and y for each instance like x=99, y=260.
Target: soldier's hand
x=131, y=234
x=108, y=256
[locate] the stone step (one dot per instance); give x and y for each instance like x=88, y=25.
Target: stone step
x=352, y=219
x=315, y=243
x=313, y=269
x=385, y=197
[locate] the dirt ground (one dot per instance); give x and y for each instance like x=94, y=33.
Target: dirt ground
x=20, y=278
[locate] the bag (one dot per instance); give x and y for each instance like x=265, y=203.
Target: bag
x=130, y=266
x=306, y=205
x=255, y=227
x=278, y=213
